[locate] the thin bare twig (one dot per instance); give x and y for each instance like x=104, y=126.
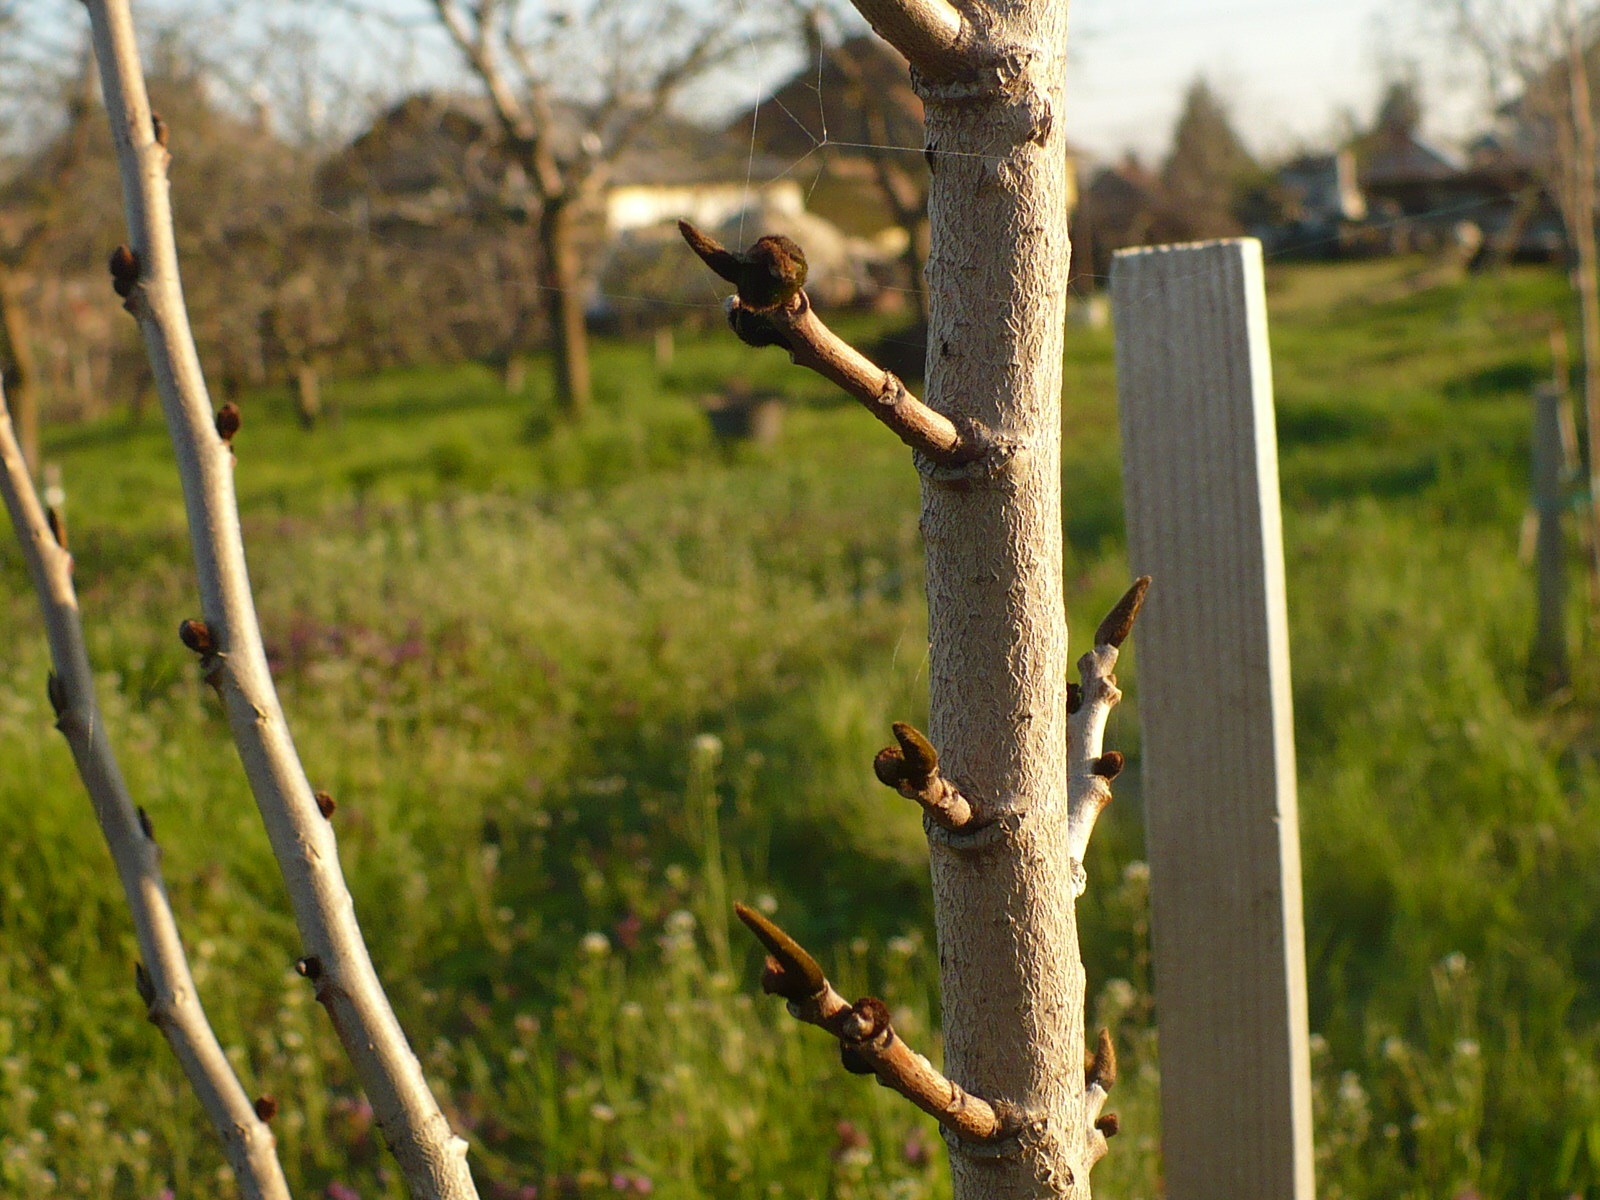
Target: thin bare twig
x=1091, y=768
x=868, y=1044
x=432, y=1160
x=772, y=309
x=164, y=980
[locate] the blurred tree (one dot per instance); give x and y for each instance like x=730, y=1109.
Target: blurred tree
x=573, y=88
x=33, y=201
x=1400, y=110
x=287, y=282
x=866, y=119
x=1206, y=169
x=1540, y=58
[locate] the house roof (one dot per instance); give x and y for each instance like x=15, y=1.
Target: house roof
x=1394, y=157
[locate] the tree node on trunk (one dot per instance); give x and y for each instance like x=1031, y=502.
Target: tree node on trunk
x=912, y=769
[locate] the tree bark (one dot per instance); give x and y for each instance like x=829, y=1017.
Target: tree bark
x=1004, y=898
x=569, y=337
x=20, y=369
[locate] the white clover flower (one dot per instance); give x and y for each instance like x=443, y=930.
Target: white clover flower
x=1350, y=1090
x=595, y=944
x=680, y=922
x=1119, y=993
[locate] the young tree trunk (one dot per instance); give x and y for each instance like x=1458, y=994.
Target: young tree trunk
x=1581, y=225
x=569, y=339
x=16, y=357
x=307, y=394
x=997, y=273
x=227, y=640
x=1013, y=776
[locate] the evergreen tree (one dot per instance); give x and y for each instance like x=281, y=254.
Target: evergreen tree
x=1206, y=168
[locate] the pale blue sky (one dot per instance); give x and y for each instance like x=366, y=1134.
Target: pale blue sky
x=1287, y=67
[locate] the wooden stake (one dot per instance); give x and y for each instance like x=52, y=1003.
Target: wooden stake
x=1200, y=470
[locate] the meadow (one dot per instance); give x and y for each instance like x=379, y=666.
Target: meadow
x=577, y=689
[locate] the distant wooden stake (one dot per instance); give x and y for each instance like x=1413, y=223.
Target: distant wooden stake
x=1200, y=469
x=1547, y=667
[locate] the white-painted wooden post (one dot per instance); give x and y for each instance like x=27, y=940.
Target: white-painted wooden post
x=1200, y=471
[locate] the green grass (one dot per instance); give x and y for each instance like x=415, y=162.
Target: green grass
x=574, y=689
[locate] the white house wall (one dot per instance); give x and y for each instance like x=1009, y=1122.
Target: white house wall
x=637, y=206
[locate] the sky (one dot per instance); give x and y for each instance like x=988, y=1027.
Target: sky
x=1287, y=67
x=1294, y=72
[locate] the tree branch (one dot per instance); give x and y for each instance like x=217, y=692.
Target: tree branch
x=526, y=125
x=164, y=980
x=772, y=309
x=867, y=1041
x=912, y=769
x=930, y=33
x=431, y=1159
x=1089, y=771
x=1100, y=1073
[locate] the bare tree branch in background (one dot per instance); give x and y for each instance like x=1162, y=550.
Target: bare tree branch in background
x=32, y=210
x=163, y=977
x=876, y=117
x=1540, y=60
x=573, y=91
